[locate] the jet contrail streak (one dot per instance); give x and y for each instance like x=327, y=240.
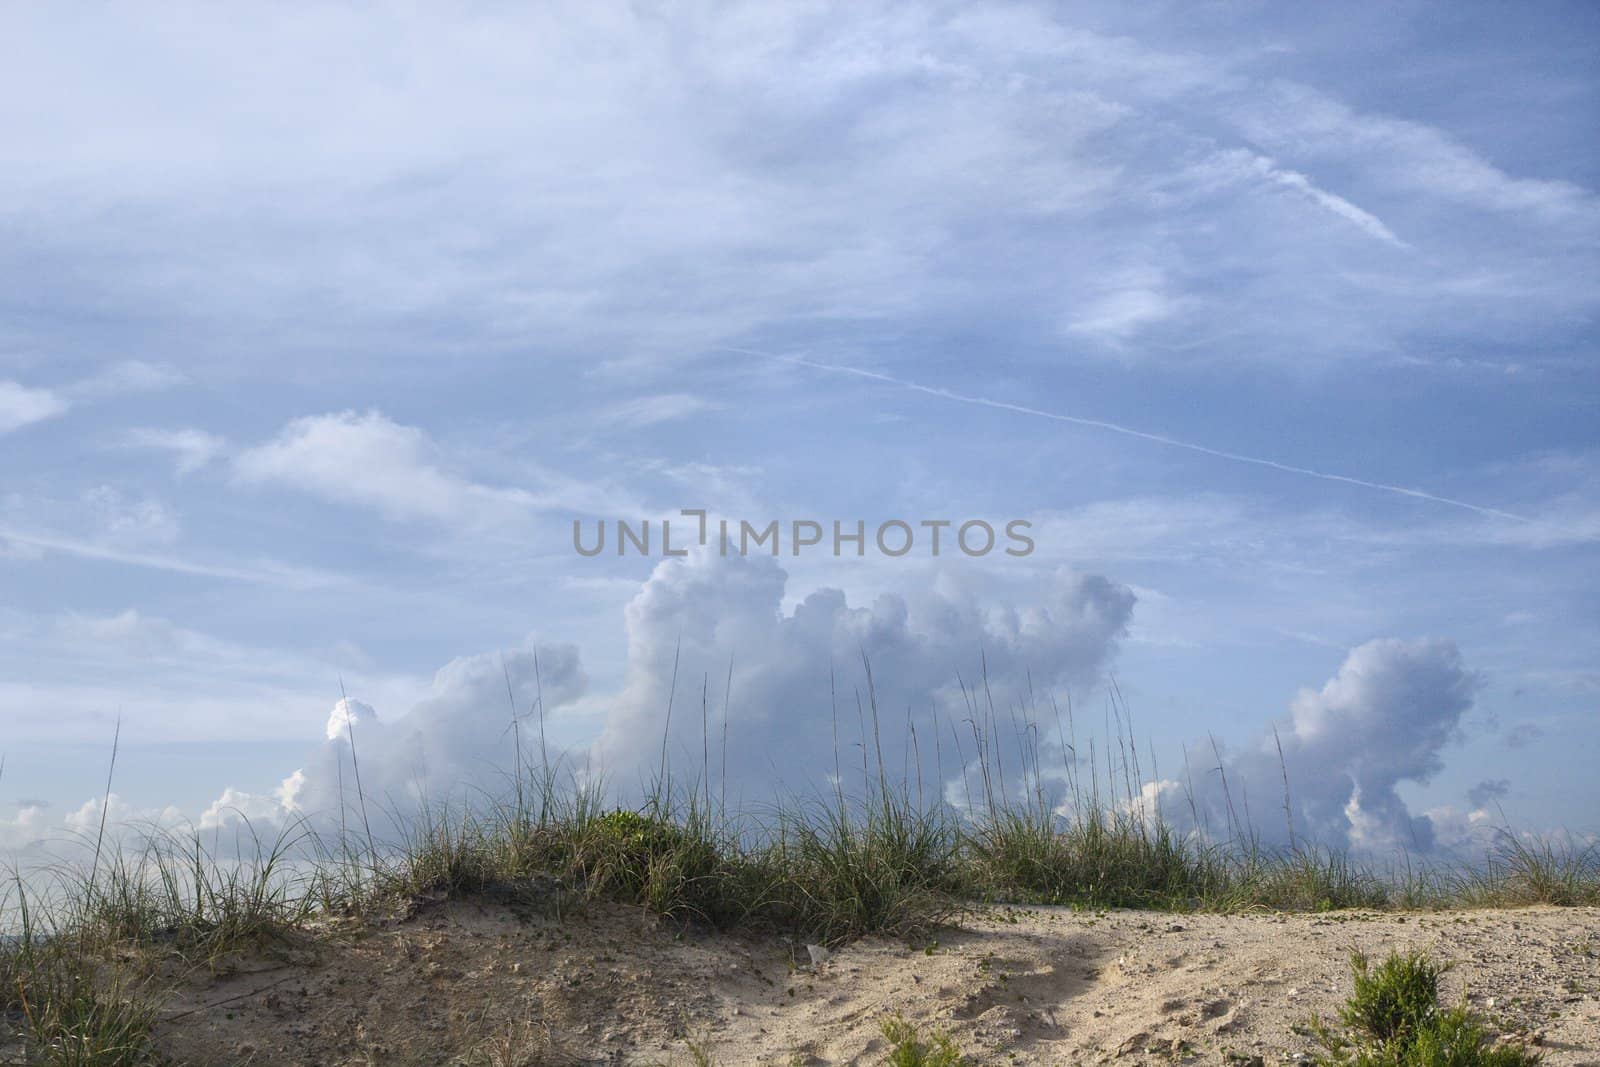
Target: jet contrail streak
x=1127, y=431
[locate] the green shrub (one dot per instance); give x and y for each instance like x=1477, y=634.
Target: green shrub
x=908, y=1048
x=1393, y=1019
x=1395, y=1002
x=683, y=866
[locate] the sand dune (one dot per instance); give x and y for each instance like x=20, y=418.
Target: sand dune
x=482, y=981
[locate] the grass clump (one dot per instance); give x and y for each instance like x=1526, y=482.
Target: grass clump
x=1097, y=860
x=826, y=874
x=1523, y=872
x=73, y=1018
x=1304, y=878
x=893, y=869
x=684, y=867
x=908, y=1048
x=75, y=971
x=1394, y=1019
x=67, y=1005
x=176, y=891
x=675, y=861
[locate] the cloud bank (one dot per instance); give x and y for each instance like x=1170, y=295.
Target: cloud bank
x=710, y=620
x=735, y=687
x=691, y=621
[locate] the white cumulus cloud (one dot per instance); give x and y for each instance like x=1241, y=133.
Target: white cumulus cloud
x=369, y=460
x=706, y=613
x=1384, y=719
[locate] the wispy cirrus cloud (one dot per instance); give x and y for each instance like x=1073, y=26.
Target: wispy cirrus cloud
x=904, y=166
x=654, y=409
x=125, y=376
x=1417, y=157
x=190, y=449
x=258, y=572
x=1265, y=168
x=20, y=405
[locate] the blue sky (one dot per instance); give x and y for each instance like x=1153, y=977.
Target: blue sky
x=318, y=329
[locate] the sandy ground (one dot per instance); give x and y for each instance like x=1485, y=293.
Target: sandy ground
x=476, y=983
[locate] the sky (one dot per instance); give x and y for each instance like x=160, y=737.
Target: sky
x=320, y=329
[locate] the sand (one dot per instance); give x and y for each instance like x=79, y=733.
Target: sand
x=477, y=982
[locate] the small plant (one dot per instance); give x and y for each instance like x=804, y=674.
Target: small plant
x=640, y=846
x=908, y=1048
x=635, y=834
x=673, y=862
x=519, y=1043
x=699, y=1050
x=1393, y=1019
x=1396, y=1001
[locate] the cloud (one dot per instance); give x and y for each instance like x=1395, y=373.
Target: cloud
x=649, y=410
x=1170, y=528
x=705, y=614
x=1384, y=719
x=1521, y=735
x=235, y=807
x=1488, y=791
x=21, y=406
x=102, y=515
x=139, y=637
x=799, y=710
x=27, y=543
x=455, y=743
x=697, y=616
x=29, y=827
x=67, y=675
x=1128, y=431
x=368, y=460
x=1565, y=521
x=128, y=376
x=348, y=716
x=1410, y=154
x=122, y=521
x=191, y=449
x=1267, y=169
x=33, y=829
x=908, y=167
x=1126, y=305
x=371, y=461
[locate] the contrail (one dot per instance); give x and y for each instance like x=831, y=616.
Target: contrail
x=1128, y=431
